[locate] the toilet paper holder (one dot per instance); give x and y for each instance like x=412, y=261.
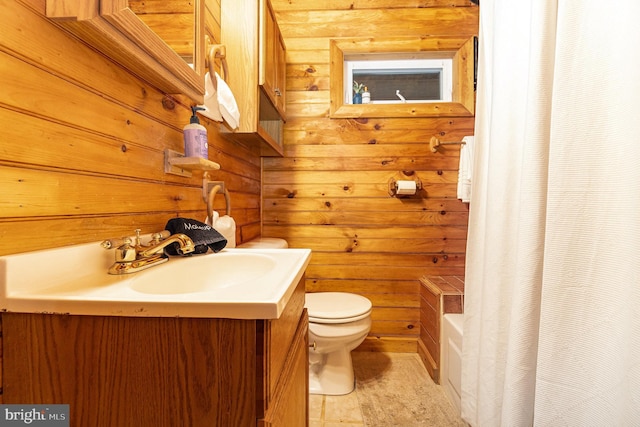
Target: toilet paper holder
x=394, y=184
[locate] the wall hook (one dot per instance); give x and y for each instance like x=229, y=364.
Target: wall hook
x=434, y=143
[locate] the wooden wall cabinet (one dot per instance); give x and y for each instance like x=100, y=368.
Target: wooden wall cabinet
x=273, y=66
x=114, y=29
x=121, y=371
x=257, y=68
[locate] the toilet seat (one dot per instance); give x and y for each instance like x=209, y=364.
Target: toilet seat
x=336, y=307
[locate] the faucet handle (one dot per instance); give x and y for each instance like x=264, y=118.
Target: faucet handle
x=160, y=236
x=126, y=252
x=112, y=243
x=117, y=242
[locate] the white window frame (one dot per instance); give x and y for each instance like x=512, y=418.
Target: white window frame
x=443, y=64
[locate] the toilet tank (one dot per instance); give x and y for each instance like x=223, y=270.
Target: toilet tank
x=265, y=242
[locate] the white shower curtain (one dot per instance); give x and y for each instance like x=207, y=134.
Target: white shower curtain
x=552, y=293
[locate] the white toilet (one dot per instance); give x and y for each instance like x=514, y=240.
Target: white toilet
x=338, y=323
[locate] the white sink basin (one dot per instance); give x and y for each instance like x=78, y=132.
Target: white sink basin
x=211, y=274
x=234, y=283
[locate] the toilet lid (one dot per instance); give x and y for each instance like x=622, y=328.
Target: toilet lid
x=333, y=307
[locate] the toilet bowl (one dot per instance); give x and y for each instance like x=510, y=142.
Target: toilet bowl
x=338, y=323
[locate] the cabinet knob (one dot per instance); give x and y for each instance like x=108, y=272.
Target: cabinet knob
x=277, y=91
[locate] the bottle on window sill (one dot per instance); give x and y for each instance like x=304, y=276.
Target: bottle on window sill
x=366, y=96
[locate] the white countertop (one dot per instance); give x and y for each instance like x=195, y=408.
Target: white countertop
x=234, y=283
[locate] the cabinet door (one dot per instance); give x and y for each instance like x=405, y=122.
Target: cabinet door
x=290, y=404
x=279, y=336
x=273, y=62
x=133, y=371
x=267, y=62
x=280, y=74
x=1, y=364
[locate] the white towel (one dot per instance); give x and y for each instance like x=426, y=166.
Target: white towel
x=211, y=105
x=465, y=170
x=228, y=105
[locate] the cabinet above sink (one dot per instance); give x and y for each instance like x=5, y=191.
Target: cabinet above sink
x=166, y=48
x=120, y=30
x=257, y=70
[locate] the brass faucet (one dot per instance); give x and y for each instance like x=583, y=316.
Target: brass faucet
x=133, y=256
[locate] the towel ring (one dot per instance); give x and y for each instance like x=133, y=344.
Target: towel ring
x=216, y=51
x=212, y=194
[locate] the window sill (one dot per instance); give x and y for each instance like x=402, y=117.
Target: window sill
x=427, y=109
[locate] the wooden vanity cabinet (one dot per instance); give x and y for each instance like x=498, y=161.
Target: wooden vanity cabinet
x=143, y=371
x=1, y=402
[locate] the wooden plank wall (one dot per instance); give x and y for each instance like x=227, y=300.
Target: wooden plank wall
x=171, y=20
x=82, y=142
x=330, y=191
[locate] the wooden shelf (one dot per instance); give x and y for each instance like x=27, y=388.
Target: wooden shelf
x=177, y=164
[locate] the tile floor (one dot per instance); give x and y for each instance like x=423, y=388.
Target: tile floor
x=392, y=389
x=329, y=411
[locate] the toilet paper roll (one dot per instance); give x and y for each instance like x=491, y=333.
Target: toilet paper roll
x=405, y=188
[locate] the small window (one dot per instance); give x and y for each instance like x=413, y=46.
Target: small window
x=399, y=78
x=443, y=86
